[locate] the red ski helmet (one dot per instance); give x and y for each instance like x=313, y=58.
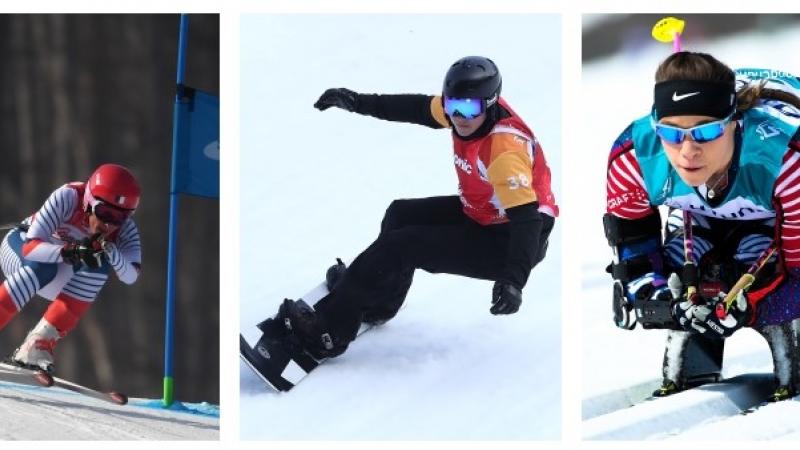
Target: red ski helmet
x=113, y=185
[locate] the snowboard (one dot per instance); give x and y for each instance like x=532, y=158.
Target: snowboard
x=282, y=367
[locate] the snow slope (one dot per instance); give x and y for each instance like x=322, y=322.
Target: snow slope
x=70, y=416
x=315, y=185
x=621, y=367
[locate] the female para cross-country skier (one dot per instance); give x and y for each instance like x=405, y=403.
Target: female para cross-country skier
x=721, y=153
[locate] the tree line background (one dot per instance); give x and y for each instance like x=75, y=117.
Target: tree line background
x=77, y=91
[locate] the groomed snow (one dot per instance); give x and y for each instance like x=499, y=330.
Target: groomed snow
x=37, y=413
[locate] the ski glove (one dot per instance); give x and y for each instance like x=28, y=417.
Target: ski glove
x=338, y=97
x=651, y=297
x=88, y=252
x=505, y=298
x=711, y=319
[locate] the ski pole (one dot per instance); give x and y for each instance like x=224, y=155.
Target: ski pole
x=689, y=268
x=9, y=226
x=669, y=29
x=746, y=280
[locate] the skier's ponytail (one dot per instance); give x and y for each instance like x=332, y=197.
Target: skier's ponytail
x=749, y=96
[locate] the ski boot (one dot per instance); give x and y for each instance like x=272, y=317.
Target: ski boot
x=781, y=393
x=668, y=387
x=36, y=352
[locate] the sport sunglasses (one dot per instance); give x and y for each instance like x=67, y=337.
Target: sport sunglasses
x=701, y=134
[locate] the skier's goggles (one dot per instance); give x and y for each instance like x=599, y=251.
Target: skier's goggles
x=109, y=214
x=701, y=134
x=468, y=108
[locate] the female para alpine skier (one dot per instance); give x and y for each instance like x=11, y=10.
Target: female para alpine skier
x=722, y=154
x=496, y=229
x=65, y=252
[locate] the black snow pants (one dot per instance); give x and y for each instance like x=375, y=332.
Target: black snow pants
x=432, y=234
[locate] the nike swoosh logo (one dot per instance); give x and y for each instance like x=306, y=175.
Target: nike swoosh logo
x=677, y=98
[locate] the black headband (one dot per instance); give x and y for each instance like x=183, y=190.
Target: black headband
x=696, y=98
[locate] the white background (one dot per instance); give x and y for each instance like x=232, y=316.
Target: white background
x=572, y=375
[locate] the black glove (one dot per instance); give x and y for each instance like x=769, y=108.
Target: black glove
x=505, y=298
x=338, y=97
x=649, y=296
x=88, y=252
x=711, y=319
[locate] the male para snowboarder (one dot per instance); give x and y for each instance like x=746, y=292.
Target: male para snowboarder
x=496, y=229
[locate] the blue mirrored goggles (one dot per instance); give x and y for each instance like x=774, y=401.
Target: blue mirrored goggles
x=706, y=132
x=468, y=108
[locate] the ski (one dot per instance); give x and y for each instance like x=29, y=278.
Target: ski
x=755, y=408
x=680, y=410
x=33, y=377
x=17, y=374
x=116, y=398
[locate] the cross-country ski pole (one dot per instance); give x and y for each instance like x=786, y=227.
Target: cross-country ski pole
x=669, y=29
x=689, y=268
x=747, y=279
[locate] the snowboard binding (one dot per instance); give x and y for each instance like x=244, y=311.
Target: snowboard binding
x=335, y=274
x=293, y=344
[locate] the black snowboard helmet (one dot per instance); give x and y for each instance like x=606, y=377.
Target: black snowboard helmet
x=473, y=77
